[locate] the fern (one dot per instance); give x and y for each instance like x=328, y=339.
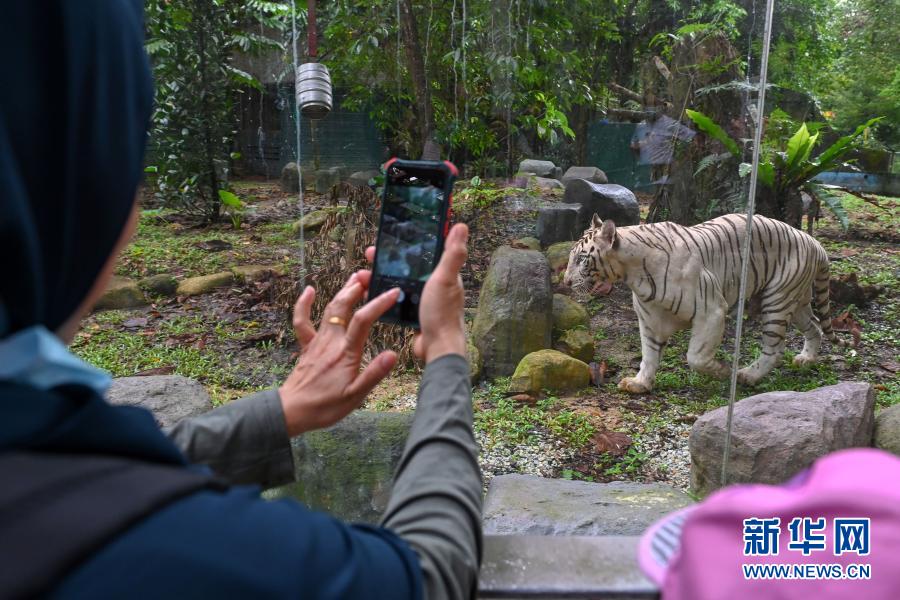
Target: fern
x=710, y=160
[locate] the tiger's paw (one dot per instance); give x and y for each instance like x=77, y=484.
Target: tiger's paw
x=748, y=376
x=633, y=386
x=802, y=360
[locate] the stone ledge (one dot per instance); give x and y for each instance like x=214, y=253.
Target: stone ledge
x=555, y=567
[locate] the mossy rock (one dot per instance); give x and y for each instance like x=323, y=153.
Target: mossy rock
x=558, y=256
x=314, y=220
x=527, y=243
x=514, y=309
x=194, y=286
x=568, y=314
x=256, y=272
x=159, y=285
x=473, y=354
x=577, y=343
x=348, y=469
x=549, y=370
x=121, y=293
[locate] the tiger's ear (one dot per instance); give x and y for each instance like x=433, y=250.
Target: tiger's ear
x=596, y=221
x=607, y=235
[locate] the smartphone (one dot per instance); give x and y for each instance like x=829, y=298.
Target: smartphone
x=415, y=219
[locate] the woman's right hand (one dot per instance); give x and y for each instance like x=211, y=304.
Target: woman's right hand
x=443, y=299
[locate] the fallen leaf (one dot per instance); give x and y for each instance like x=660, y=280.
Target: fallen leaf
x=615, y=443
x=524, y=398
x=890, y=366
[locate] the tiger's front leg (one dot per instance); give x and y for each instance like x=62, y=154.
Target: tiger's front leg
x=656, y=329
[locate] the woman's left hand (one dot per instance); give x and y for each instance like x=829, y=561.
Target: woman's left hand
x=326, y=383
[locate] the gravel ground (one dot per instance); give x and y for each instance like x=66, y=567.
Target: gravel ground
x=668, y=458
x=543, y=455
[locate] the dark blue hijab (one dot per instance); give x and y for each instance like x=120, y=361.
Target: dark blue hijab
x=74, y=111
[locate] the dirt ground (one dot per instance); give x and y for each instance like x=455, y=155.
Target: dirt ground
x=235, y=340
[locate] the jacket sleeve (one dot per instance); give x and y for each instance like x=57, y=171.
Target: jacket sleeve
x=435, y=504
x=245, y=441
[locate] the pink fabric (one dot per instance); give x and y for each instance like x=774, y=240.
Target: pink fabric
x=855, y=483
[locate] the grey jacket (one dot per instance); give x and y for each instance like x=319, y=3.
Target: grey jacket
x=435, y=503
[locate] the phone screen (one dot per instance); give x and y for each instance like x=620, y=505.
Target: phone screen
x=410, y=226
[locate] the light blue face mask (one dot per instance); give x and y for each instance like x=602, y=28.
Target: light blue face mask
x=38, y=358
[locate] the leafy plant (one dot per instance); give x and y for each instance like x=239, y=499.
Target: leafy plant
x=234, y=207
x=192, y=44
x=788, y=166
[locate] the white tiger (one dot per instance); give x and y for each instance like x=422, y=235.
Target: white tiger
x=684, y=277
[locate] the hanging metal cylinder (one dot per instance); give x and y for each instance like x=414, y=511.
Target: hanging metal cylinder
x=313, y=87
x=312, y=81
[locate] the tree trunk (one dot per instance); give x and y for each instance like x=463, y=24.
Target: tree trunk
x=409, y=33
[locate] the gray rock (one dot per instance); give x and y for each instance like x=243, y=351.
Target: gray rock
x=194, y=286
x=608, y=200
x=327, y=179
x=887, y=429
x=541, y=168
x=362, y=178
x=525, y=504
x=290, y=181
x=347, y=469
x=777, y=434
x=170, y=398
x=121, y=292
x=514, y=309
x=558, y=222
x=592, y=174
x=290, y=178
x=546, y=184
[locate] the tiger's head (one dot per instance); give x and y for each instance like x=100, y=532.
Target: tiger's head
x=593, y=259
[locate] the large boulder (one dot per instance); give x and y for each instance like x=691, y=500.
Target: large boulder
x=592, y=174
x=541, y=168
x=362, y=178
x=170, y=398
x=576, y=343
x=549, y=370
x=568, y=314
x=887, y=429
x=558, y=256
x=194, y=286
x=608, y=200
x=347, y=469
x=121, y=292
x=530, y=505
x=514, y=309
x=327, y=179
x=290, y=178
x=557, y=222
x=777, y=434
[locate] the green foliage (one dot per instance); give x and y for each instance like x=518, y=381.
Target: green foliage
x=864, y=79
x=233, y=206
x=787, y=166
x=191, y=44
x=509, y=422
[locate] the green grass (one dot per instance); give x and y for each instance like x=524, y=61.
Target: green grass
x=513, y=423
x=107, y=345
x=166, y=247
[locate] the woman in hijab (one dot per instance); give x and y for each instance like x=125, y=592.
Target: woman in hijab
x=96, y=500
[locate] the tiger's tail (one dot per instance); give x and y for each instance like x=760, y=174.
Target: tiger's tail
x=822, y=303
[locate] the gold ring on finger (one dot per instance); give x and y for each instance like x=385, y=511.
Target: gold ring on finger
x=338, y=321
